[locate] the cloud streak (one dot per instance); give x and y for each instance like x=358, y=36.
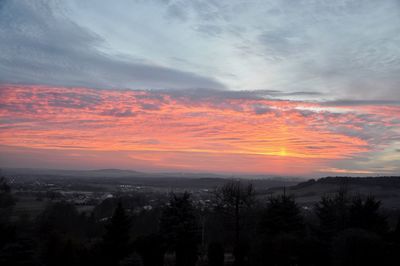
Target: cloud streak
x=162, y=123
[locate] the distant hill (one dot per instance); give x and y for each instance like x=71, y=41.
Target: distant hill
x=25, y=172
x=165, y=180
x=384, y=188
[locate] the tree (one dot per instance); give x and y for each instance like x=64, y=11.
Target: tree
x=7, y=201
x=235, y=200
x=132, y=260
x=357, y=247
x=282, y=215
x=281, y=231
x=397, y=231
x=18, y=253
x=215, y=254
x=395, y=256
x=179, y=227
x=151, y=249
x=365, y=214
x=116, y=240
x=60, y=229
x=60, y=218
x=333, y=212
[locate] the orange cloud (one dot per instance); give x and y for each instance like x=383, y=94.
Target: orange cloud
x=172, y=131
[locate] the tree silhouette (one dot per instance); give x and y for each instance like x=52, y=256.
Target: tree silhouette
x=19, y=253
x=60, y=218
x=116, y=240
x=281, y=229
x=151, y=249
x=215, y=254
x=179, y=227
x=395, y=255
x=7, y=201
x=357, y=247
x=365, y=214
x=60, y=229
x=282, y=215
x=397, y=231
x=132, y=260
x=234, y=200
x=333, y=212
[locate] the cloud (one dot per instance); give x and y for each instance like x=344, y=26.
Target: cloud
x=361, y=102
x=347, y=49
x=261, y=109
x=342, y=49
x=239, y=94
x=304, y=50
x=259, y=80
x=164, y=122
x=150, y=106
x=118, y=113
x=42, y=46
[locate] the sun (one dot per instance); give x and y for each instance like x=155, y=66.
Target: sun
x=282, y=151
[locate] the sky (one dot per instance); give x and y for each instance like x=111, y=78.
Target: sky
x=289, y=88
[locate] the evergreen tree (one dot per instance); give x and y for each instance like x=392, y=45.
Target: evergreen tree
x=151, y=249
x=179, y=228
x=282, y=215
x=132, y=260
x=116, y=240
x=60, y=218
x=280, y=232
x=7, y=201
x=333, y=213
x=215, y=254
x=19, y=253
x=357, y=247
x=365, y=214
x=397, y=231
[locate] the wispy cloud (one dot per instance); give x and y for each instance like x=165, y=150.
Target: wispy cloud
x=170, y=123
x=328, y=50
x=40, y=45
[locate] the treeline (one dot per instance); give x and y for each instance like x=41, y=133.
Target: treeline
x=238, y=229
x=383, y=181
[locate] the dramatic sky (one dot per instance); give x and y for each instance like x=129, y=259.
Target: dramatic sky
x=279, y=87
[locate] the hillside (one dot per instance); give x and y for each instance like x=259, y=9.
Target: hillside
x=385, y=188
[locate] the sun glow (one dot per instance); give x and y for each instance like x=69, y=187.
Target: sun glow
x=282, y=151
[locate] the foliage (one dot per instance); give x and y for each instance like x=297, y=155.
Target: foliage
x=347, y=230
x=116, y=240
x=333, y=212
x=7, y=201
x=235, y=201
x=357, y=247
x=180, y=230
x=151, y=249
x=280, y=232
x=215, y=254
x=61, y=218
x=365, y=214
x=282, y=215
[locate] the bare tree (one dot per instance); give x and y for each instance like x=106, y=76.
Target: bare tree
x=234, y=200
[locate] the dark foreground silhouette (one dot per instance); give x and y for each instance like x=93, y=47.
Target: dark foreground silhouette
x=238, y=227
